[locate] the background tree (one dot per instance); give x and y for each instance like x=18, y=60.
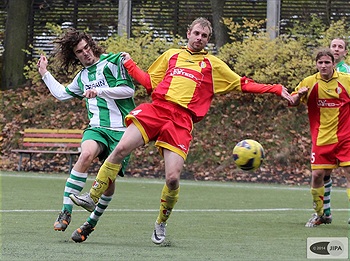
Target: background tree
x=220, y=30
x=163, y=17
x=18, y=12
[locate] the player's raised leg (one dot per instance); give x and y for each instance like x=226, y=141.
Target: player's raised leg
x=105, y=177
x=109, y=170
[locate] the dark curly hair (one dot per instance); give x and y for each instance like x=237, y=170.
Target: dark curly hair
x=64, y=45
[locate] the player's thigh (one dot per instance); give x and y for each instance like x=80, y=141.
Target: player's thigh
x=176, y=136
x=131, y=140
x=148, y=119
x=343, y=153
x=323, y=157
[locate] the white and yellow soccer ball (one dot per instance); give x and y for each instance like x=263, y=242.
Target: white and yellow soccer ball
x=248, y=155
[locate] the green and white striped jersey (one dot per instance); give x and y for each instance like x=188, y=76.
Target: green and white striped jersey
x=114, y=87
x=343, y=67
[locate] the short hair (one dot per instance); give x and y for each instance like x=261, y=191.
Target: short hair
x=342, y=39
x=324, y=52
x=65, y=44
x=203, y=22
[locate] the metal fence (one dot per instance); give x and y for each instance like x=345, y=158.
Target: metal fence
x=165, y=17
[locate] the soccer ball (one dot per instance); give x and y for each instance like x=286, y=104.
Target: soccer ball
x=248, y=154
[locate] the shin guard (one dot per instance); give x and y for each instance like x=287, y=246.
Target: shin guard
x=106, y=175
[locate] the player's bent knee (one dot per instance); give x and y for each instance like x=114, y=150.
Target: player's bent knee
x=85, y=157
x=172, y=183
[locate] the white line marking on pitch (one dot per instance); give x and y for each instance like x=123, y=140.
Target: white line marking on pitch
x=183, y=182
x=175, y=210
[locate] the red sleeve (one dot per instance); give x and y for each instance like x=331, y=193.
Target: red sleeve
x=139, y=75
x=248, y=85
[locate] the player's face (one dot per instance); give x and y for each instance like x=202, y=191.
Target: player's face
x=338, y=48
x=84, y=53
x=325, y=66
x=198, y=38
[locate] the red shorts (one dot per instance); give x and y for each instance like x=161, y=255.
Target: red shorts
x=330, y=156
x=166, y=123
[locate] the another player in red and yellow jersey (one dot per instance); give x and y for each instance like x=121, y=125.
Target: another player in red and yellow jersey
x=326, y=95
x=338, y=47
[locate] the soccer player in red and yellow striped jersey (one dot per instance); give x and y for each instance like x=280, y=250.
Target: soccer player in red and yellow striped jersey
x=327, y=96
x=182, y=83
x=338, y=47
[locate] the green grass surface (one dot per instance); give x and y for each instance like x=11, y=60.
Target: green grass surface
x=212, y=221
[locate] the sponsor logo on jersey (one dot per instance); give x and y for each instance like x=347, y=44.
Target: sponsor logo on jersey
x=95, y=84
x=328, y=103
x=187, y=73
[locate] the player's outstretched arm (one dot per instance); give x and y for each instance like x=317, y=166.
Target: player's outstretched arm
x=57, y=90
x=249, y=85
x=137, y=73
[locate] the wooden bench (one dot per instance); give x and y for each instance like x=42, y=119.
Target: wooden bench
x=50, y=141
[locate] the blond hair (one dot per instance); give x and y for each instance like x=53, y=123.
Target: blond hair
x=203, y=22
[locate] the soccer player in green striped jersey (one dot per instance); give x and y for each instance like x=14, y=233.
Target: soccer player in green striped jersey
x=108, y=91
x=339, y=50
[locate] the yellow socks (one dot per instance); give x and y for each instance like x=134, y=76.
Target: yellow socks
x=317, y=195
x=167, y=202
x=106, y=175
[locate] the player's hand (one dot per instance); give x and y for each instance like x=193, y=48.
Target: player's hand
x=42, y=65
x=303, y=91
x=297, y=96
x=126, y=57
x=91, y=93
x=286, y=95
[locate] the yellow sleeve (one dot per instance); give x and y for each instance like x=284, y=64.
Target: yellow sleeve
x=307, y=82
x=224, y=79
x=158, y=69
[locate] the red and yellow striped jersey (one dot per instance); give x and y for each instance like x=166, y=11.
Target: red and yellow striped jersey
x=328, y=105
x=190, y=79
